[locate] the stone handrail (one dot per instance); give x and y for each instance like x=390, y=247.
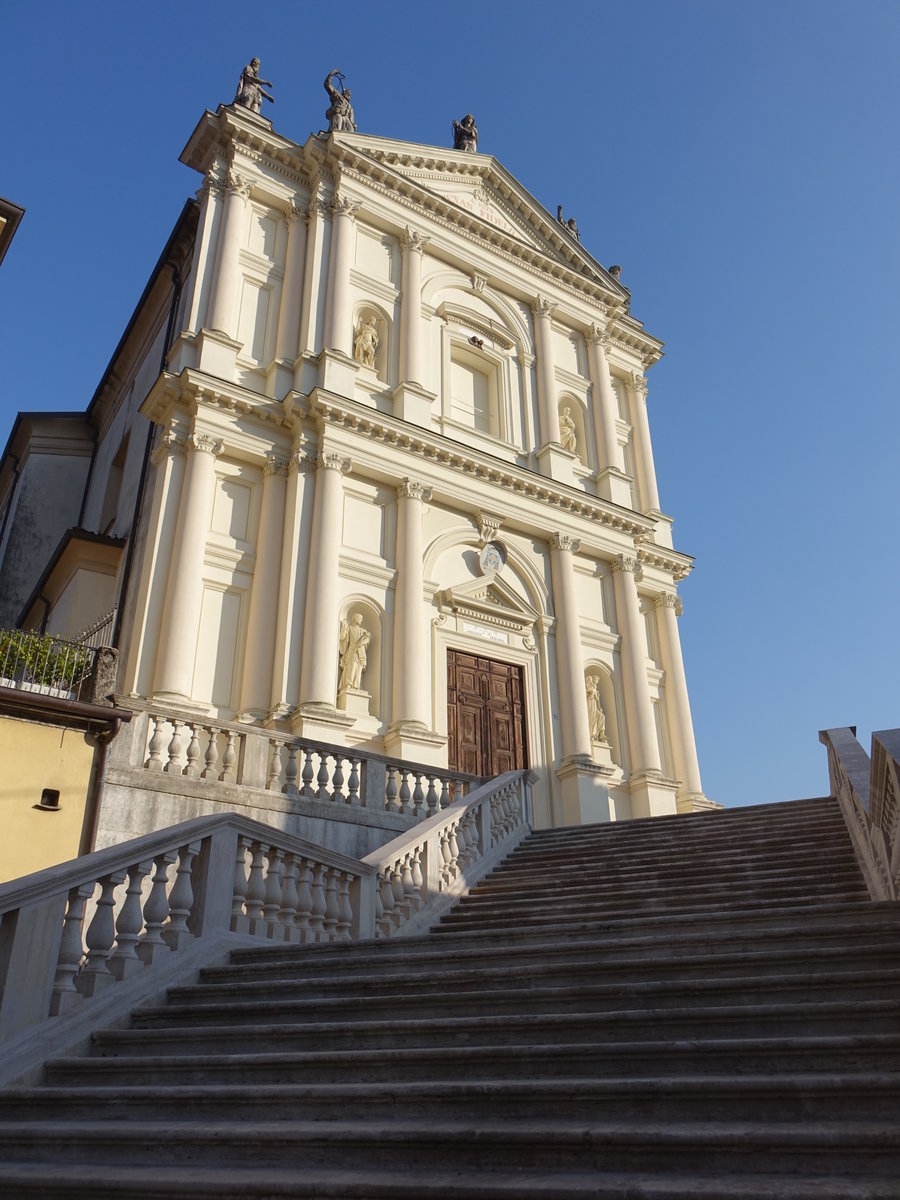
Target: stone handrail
x=70, y=933
x=185, y=745
x=867, y=792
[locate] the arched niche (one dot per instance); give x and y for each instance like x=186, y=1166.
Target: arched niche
x=363, y=314
x=606, y=691
x=373, y=675
x=577, y=414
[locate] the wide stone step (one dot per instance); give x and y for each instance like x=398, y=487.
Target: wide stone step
x=642, y=836
x=253, y=1182
x=488, y=993
x=868, y=1146
x=527, y=1059
x=696, y=1097
x=859, y=1017
x=573, y=968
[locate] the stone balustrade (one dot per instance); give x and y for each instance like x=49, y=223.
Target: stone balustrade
x=213, y=752
x=868, y=791
x=71, y=933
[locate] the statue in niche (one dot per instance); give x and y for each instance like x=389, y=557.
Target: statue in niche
x=339, y=114
x=465, y=134
x=250, y=94
x=567, y=437
x=366, y=341
x=596, y=716
x=354, y=639
x=570, y=224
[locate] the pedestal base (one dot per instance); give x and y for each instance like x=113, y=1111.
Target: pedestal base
x=320, y=723
x=652, y=795
x=615, y=485
x=216, y=353
x=413, y=403
x=585, y=794
x=556, y=463
x=279, y=378
x=415, y=742
x=354, y=702
x=691, y=802
x=337, y=372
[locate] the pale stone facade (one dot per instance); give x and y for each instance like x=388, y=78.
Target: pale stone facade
x=396, y=389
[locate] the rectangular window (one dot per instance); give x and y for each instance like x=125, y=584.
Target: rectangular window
x=470, y=397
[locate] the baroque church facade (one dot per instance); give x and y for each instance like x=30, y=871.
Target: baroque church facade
x=372, y=465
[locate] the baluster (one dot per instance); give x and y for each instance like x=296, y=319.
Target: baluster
x=464, y=839
x=272, y=900
x=454, y=849
x=210, y=770
x=307, y=792
x=290, y=774
x=289, y=898
x=418, y=797
x=418, y=877
x=431, y=799
x=181, y=898
x=305, y=902
x=177, y=761
x=240, y=923
x=256, y=888
x=192, y=770
x=409, y=887
x=337, y=780
x=322, y=777
x=446, y=858
x=401, y=904
x=155, y=748
x=386, y=892
x=379, y=909
x=156, y=909
x=353, y=782
x=404, y=791
x=71, y=951
x=332, y=907
x=273, y=783
x=317, y=915
x=101, y=935
x=345, y=908
x=390, y=790
x=129, y=925
x=229, y=759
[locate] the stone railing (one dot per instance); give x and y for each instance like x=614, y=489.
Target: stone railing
x=181, y=744
x=868, y=791
x=98, y=924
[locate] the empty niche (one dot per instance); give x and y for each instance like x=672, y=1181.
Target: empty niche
x=572, y=426
x=373, y=623
x=371, y=340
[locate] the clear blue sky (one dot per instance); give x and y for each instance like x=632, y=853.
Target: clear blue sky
x=739, y=160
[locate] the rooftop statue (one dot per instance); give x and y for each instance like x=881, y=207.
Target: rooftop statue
x=465, y=134
x=570, y=224
x=340, y=111
x=250, y=92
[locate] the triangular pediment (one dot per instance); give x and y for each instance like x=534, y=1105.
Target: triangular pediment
x=480, y=187
x=489, y=599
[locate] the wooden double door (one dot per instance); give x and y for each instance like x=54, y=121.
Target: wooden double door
x=485, y=715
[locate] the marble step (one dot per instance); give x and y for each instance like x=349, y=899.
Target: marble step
x=591, y=1059
x=253, y=1182
x=857, y=1017
x=701, y=1098
x=869, y=1147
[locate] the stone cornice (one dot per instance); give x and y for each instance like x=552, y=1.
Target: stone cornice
x=673, y=563
x=336, y=411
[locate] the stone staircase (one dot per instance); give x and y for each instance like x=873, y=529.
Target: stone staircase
x=697, y=1007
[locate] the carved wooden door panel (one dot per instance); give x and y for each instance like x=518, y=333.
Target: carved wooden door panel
x=486, y=715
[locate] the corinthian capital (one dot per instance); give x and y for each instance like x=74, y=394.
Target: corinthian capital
x=207, y=443
x=343, y=206
x=238, y=183
x=330, y=461
x=638, y=382
x=627, y=562
x=170, y=443
x=542, y=307
x=275, y=465
x=413, y=491
x=562, y=541
x=411, y=240
x=669, y=600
